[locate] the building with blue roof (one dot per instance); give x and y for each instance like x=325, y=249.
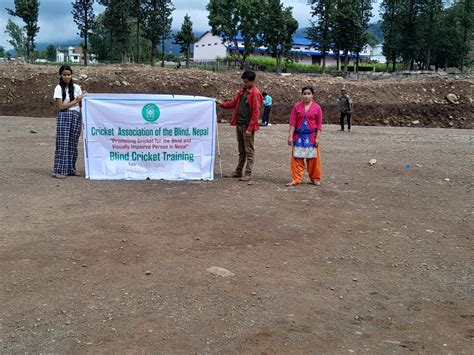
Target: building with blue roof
x=210, y=47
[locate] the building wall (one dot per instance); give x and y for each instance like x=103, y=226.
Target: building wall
x=209, y=47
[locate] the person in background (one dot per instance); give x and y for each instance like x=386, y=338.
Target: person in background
x=306, y=122
x=267, y=105
x=68, y=124
x=246, y=104
x=345, y=106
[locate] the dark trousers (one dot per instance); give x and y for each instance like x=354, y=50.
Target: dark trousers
x=349, y=120
x=246, y=150
x=266, y=115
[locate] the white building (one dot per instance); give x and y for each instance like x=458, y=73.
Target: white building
x=375, y=53
x=210, y=47
x=73, y=55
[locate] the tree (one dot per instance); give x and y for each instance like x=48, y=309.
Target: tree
x=83, y=13
x=157, y=25
x=347, y=27
x=50, y=53
x=27, y=10
x=117, y=22
x=391, y=18
x=466, y=8
x=278, y=39
x=185, y=38
x=236, y=20
x=364, y=13
x=2, y=52
x=410, y=10
x=320, y=30
x=17, y=37
x=428, y=27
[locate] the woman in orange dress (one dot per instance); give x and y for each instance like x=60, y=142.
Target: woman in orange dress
x=306, y=122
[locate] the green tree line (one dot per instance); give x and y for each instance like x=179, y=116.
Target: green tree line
x=427, y=33
x=418, y=33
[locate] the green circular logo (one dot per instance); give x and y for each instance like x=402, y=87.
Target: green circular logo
x=150, y=112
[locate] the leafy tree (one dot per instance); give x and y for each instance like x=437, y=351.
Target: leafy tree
x=83, y=13
x=466, y=10
x=391, y=22
x=185, y=38
x=117, y=22
x=17, y=37
x=364, y=12
x=107, y=50
x=278, y=39
x=50, y=53
x=157, y=24
x=447, y=47
x=429, y=20
x=232, y=19
x=2, y=52
x=27, y=10
x=347, y=27
x=320, y=31
x=410, y=10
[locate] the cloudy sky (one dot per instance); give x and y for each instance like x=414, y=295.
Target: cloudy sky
x=57, y=25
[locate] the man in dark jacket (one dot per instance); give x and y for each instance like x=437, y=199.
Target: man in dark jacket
x=345, y=106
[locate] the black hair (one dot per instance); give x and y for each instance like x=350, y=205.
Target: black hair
x=264, y=93
x=307, y=87
x=63, y=84
x=249, y=75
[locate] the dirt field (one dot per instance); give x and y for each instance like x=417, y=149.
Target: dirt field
x=376, y=260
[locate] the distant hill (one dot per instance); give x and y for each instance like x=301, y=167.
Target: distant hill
x=374, y=27
x=300, y=32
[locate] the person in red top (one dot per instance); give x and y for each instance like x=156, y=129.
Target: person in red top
x=306, y=122
x=246, y=104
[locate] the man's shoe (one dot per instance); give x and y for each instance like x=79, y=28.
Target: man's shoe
x=233, y=175
x=59, y=176
x=246, y=178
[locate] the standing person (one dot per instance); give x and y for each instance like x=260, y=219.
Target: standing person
x=345, y=106
x=267, y=105
x=68, y=124
x=246, y=104
x=306, y=122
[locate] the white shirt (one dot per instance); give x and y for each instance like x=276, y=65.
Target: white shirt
x=58, y=94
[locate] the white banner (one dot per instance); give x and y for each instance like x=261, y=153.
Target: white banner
x=138, y=136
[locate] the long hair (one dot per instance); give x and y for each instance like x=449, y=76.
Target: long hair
x=63, y=85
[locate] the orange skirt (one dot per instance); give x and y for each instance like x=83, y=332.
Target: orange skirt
x=313, y=166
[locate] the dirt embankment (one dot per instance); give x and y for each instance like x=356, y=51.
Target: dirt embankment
x=26, y=90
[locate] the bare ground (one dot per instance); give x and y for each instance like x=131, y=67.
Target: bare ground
x=376, y=260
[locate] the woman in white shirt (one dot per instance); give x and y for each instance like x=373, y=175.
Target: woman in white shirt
x=68, y=124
